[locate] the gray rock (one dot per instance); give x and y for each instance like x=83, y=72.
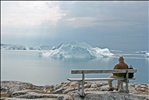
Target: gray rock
x=65, y=97
x=87, y=85
x=94, y=85
x=12, y=86
x=67, y=91
x=91, y=89
x=18, y=93
x=104, y=88
x=36, y=95
x=109, y=96
x=59, y=91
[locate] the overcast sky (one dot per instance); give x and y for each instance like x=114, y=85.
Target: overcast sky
x=116, y=25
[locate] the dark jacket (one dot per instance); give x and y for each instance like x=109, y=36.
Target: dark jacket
x=120, y=65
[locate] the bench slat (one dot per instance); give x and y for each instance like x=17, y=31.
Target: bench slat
x=92, y=79
x=103, y=71
x=97, y=79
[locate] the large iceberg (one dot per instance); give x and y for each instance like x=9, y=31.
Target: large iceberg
x=77, y=50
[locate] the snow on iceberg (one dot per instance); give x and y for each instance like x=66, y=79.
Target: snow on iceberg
x=147, y=54
x=77, y=50
x=12, y=47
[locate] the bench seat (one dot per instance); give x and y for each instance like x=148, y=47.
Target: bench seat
x=97, y=79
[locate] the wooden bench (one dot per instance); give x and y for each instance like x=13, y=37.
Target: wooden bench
x=81, y=81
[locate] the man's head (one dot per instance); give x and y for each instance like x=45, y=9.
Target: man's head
x=121, y=59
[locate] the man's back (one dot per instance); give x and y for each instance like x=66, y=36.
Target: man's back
x=120, y=65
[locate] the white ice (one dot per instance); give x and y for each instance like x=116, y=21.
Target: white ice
x=75, y=49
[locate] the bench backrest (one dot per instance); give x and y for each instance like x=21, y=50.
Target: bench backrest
x=103, y=71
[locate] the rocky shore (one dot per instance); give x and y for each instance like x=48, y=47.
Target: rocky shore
x=15, y=90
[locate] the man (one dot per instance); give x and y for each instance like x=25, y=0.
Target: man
x=120, y=65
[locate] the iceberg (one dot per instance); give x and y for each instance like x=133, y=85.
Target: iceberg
x=22, y=47
x=77, y=50
x=144, y=53
x=147, y=54
x=141, y=52
x=12, y=47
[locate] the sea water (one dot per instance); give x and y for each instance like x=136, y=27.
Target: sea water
x=29, y=66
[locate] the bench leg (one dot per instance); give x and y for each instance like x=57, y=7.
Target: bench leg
x=81, y=90
x=127, y=81
x=121, y=86
x=78, y=85
x=82, y=93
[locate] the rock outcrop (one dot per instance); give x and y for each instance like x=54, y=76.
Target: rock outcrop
x=14, y=90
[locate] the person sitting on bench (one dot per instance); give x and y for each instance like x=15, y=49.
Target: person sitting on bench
x=120, y=65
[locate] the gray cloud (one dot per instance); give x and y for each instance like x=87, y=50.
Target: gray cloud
x=98, y=23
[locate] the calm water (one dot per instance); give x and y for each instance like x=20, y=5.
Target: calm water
x=28, y=66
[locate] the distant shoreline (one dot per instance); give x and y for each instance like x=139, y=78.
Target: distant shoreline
x=25, y=50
